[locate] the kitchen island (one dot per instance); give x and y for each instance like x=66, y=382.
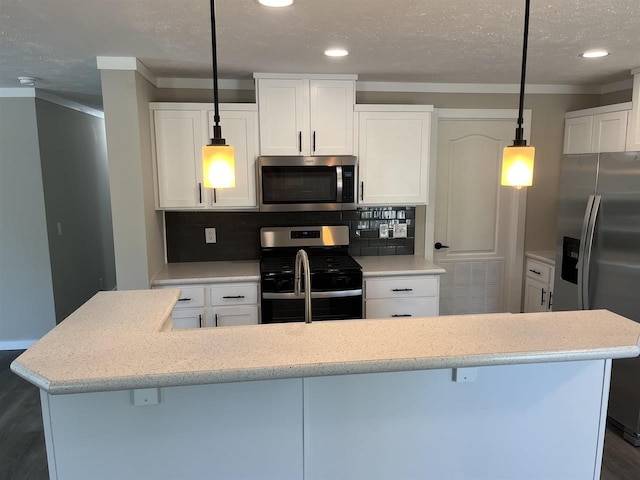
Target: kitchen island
x=475, y=396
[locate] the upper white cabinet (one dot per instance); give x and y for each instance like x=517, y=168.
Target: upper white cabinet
x=180, y=130
x=303, y=116
x=633, y=127
x=393, y=153
x=595, y=130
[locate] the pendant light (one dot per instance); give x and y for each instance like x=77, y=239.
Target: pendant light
x=218, y=162
x=517, y=159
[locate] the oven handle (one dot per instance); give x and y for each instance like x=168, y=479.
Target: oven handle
x=332, y=294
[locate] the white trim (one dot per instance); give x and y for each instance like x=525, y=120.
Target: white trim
x=617, y=107
x=236, y=107
x=18, y=92
x=473, y=88
x=392, y=108
x=63, y=102
x=617, y=86
x=17, y=344
x=117, y=63
x=306, y=76
x=206, y=83
x=142, y=69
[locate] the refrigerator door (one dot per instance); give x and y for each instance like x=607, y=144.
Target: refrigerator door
x=577, y=187
x=614, y=281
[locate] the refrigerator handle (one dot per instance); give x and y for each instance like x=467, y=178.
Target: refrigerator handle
x=587, y=259
x=581, y=251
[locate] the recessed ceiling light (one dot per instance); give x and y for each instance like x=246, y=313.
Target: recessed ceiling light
x=595, y=54
x=275, y=3
x=336, y=52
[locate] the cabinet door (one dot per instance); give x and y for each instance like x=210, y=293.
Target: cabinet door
x=401, y=307
x=239, y=128
x=178, y=158
x=577, y=134
x=536, y=296
x=331, y=104
x=284, y=117
x=609, y=132
x=188, y=318
x=234, y=316
x=394, y=157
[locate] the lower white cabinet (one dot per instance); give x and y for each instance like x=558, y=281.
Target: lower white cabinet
x=402, y=296
x=538, y=286
x=216, y=305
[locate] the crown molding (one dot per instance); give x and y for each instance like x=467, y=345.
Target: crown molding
x=205, y=83
x=495, y=88
x=617, y=86
x=49, y=97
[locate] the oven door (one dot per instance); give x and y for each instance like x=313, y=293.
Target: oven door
x=326, y=305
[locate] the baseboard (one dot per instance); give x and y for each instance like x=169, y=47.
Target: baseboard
x=17, y=344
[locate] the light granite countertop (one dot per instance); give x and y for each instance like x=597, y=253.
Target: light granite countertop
x=547, y=256
x=116, y=341
x=249, y=270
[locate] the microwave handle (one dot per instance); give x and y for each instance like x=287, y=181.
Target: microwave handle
x=339, y=183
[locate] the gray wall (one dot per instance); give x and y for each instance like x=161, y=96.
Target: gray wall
x=137, y=227
x=26, y=290
x=76, y=194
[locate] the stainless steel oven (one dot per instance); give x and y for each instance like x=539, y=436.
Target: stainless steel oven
x=336, y=278
x=288, y=184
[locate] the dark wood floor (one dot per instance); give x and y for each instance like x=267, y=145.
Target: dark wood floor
x=23, y=455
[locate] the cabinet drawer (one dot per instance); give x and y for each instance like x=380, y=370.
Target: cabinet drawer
x=234, y=294
x=190, y=297
x=391, y=287
x=233, y=316
x=539, y=271
x=401, y=307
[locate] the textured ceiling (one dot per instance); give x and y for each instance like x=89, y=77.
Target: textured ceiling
x=443, y=41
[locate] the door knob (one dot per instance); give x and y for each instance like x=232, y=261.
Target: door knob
x=438, y=246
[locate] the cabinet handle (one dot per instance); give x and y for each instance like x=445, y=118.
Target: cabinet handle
x=200, y=320
x=314, y=142
x=404, y=315
x=402, y=289
x=299, y=142
x=233, y=296
x=534, y=271
x=199, y=192
x=215, y=195
x=184, y=299
x=216, y=320
x=361, y=190
x=550, y=300
x=542, y=297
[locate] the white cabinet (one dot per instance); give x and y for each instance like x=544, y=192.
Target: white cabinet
x=178, y=159
x=180, y=130
x=393, y=154
x=601, y=129
x=216, y=305
x=301, y=116
x=402, y=296
x=633, y=127
x=538, y=286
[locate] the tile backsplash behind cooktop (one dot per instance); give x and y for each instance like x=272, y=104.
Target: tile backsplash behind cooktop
x=238, y=233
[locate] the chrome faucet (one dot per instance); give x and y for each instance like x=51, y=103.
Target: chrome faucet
x=302, y=262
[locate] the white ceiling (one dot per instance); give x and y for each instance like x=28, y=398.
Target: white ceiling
x=436, y=41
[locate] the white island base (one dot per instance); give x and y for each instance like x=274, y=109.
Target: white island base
x=526, y=421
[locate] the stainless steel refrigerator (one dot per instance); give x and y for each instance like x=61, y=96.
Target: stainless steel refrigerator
x=598, y=257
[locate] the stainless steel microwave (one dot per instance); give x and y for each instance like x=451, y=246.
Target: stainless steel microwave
x=294, y=184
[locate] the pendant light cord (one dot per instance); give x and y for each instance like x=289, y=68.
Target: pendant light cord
x=519, y=133
x=217, y=130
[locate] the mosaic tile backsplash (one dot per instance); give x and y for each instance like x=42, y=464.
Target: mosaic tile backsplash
x=238, y=233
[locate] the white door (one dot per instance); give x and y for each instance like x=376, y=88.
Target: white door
x=479, y=225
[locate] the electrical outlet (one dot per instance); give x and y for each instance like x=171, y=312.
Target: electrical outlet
x=210, y=235
x=384, y=230
x=400, y=230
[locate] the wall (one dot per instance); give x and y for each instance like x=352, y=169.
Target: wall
x=26, y=290
x=137, y=227
x=76, y=195
x=547, y=133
